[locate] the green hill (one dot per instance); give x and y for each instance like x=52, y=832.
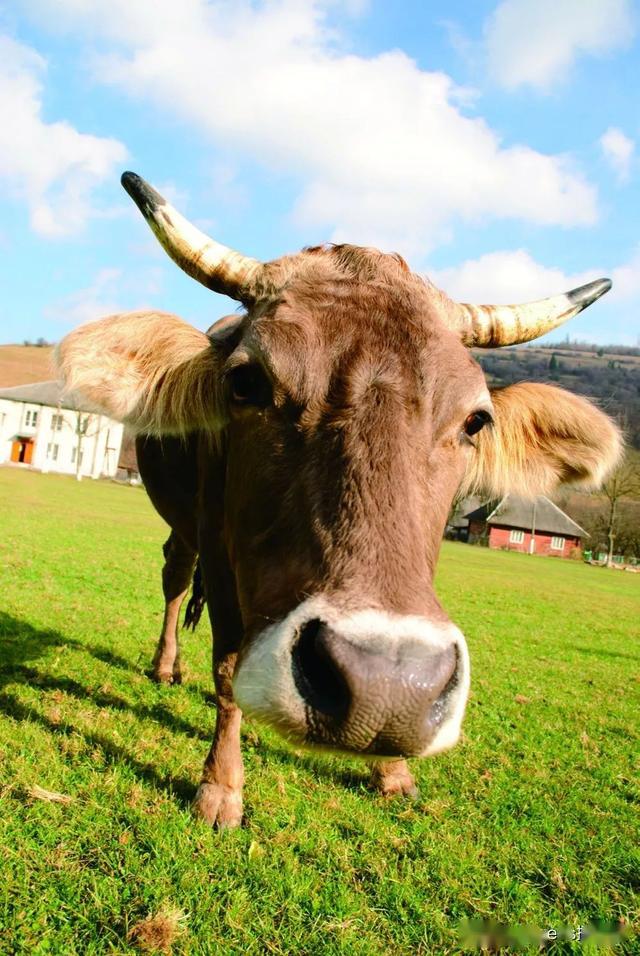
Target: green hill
x=610, y=375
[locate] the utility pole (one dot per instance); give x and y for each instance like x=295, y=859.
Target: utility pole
x=81, y=430
x=532, y=543
x=613, y=507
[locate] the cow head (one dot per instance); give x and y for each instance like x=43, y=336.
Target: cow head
x=349, y=412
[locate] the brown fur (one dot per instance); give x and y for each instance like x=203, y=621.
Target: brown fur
x=148, y=369
x=342, y=482
x=543, y=436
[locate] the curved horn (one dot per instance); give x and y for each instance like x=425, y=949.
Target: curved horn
x=216, y=266
x=490, y=326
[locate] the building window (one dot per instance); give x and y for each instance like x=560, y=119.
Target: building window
x=31, y=418
x=52, y=451
x=557, y=544
x=74, y=455
x=516, y=536
x=56, y=423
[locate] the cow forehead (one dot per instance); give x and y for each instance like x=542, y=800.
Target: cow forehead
x=378, y=322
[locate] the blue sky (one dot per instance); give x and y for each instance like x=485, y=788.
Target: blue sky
x=494, y=144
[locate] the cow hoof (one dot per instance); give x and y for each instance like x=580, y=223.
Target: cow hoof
x=219, y=806
x=408, y=790
x=166, y=676
x=163, y=677
x=392, y=782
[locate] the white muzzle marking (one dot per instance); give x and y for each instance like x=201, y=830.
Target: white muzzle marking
x=264, y=684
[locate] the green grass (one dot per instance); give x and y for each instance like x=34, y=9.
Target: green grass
x=531, y=819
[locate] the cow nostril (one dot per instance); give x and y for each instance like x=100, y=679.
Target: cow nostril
x=451, y=665
x=317, y=677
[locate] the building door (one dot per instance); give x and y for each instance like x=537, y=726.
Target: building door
x=22, y=451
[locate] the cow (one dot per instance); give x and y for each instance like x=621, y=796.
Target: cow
x=305, y=453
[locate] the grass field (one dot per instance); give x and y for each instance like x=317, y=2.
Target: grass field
x=533, y=818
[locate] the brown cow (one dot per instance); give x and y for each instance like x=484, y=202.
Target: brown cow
x=308, y=451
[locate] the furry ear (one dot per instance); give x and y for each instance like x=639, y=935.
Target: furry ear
x=148, y=369
x=542, y=436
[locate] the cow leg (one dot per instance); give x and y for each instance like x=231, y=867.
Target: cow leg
x=393, y=778
x=219, y=796
x=177, y=572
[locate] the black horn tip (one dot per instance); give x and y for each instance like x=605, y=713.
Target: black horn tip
x=146, y=198
x=584, y=295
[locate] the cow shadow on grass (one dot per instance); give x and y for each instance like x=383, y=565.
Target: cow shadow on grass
x=177, y=787
x=22, y=645
x=602, y=652
x=21, y=642
x=101, y=698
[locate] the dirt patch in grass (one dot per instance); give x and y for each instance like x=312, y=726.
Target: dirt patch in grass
x=157, y=933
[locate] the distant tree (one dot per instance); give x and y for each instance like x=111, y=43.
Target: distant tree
x=623, y=483
x=82, y=428
x=86, y=425
x=617, y=389
x=41, y=342
x=628, y=536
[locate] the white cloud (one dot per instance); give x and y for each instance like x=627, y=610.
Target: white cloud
x=51, y=166
x=383, y=150
x=93, y=302
x=535, y=42
x=618, y=151
x=509, y=276
x=105, y=295
x=227, y=187
x=626, y=281
x=506, y=277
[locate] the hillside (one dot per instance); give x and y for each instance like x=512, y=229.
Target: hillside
x=23, y=364
x=611, y=378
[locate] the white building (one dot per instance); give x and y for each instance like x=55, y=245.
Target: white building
x=43, y=428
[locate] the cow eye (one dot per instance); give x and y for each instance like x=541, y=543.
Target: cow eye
x=248, y=385
x=476, y=421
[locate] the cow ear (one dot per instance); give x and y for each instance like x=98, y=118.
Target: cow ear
x=149, y=370
x=542, y=436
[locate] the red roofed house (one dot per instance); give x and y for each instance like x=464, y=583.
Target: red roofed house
x=532, y=526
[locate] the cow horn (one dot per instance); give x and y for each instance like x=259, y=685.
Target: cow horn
x=216, y=266
x=491, y=326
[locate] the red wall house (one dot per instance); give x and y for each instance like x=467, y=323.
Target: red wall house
x=507, y=524
x=513, y=539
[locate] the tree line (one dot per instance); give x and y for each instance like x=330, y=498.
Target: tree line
x=610, y=376
x=613, y=383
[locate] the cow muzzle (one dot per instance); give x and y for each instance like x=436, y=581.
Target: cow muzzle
x=364, y=682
